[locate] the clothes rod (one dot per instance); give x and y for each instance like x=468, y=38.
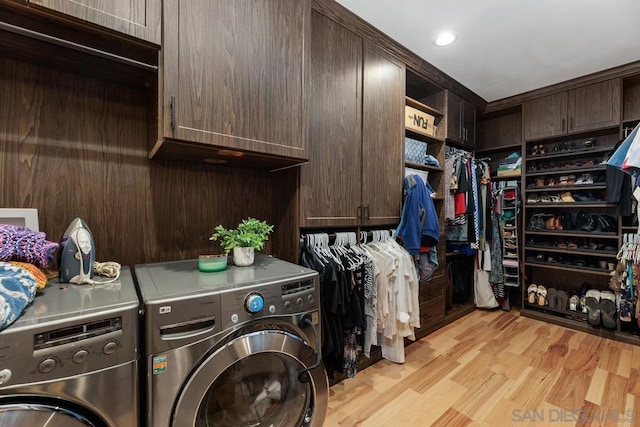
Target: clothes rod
x=75, y=46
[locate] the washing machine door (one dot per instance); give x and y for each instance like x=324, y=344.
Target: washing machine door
x=42, y=415
x=254, y=381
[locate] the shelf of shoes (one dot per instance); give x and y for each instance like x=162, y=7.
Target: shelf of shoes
x=510, y=201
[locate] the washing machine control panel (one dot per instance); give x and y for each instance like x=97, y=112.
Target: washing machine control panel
x=274, y=299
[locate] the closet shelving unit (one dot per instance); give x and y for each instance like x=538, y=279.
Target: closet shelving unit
x=568, y=258
x=510, y=237
x=427, y=96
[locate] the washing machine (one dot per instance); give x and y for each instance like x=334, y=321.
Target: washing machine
x=71, y=359
x=239, y=347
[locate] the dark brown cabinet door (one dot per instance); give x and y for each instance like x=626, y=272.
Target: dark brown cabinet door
x=461, y=120
x=454, y=117
x=330, y=184
x=137, y=18
x=545, y=116
x=468, y=123
x=234, y=74
x=382, y=136
x=594, y=106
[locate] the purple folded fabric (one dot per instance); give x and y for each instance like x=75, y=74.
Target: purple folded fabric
x=22, y=244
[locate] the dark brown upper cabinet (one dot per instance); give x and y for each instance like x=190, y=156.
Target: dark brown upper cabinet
x=136, y=18
x=499, y=132
x=586, y=108
x=461, y=120
x=355, y=131
x=232, y=80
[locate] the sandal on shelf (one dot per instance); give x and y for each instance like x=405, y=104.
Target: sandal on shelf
x=551, y=298
x=544, y=198
x=562, y=297
x=541, y=149
x=563, y=180
x=592, y=302
x=542, y=295
x=539, y=182
x=532, y=291
x=608, y=309
x=534, y=150
x=566, y=197
x=552, y=182
x=533, y=198
x=571, y=180
x=555, y=198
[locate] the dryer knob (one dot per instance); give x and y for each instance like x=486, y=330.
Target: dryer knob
x=47, y=365
x=254, y=303
x=300, y=302
x=80, y=356
x=110, y=348
x=5, y=376
x=287, y=305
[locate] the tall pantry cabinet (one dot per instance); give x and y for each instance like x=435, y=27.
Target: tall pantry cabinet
x=356, y=93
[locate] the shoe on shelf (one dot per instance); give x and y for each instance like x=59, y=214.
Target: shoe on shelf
x=534, y=150
x=566, y=197
x=591, y=142
x=574, y=302
x=551, y=298
x=592, y=302
x=608, y=309
x=562, y=297
x=542, y=295
x=541, y=149
x=532, y=292
x=585, y=178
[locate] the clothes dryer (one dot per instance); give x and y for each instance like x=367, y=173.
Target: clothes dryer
x=71, y=359
x=237, y=347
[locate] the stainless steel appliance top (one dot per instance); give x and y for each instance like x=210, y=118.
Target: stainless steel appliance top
x=65, y=301
x=166, y=280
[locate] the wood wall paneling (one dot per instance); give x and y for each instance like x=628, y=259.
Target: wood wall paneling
x=73, y=145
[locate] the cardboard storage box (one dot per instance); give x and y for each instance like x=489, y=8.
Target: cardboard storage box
x=419, y=121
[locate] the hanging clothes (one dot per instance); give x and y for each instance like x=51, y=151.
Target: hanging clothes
x=369, y=296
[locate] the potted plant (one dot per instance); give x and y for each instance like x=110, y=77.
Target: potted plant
x=250, y=235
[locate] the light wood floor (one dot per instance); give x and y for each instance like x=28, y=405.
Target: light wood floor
x=496, y=369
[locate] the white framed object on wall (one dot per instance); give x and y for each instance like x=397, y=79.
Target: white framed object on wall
x=20, y=217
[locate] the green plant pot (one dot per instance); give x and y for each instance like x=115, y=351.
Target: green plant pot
x=212, y=263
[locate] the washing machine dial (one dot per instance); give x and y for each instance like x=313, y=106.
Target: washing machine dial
x=254, y=303
x=47, y=365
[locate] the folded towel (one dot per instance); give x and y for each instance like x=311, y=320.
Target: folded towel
x=17, y=290
x=22, y=244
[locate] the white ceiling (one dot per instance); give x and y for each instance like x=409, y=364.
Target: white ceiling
x=507, y=47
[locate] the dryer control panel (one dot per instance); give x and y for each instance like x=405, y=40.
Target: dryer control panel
x=275, y=299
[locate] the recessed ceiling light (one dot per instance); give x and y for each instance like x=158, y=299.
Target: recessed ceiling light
x=444, y=39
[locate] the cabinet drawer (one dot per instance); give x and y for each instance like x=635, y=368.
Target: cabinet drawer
x=431, y=290
x=431, y=312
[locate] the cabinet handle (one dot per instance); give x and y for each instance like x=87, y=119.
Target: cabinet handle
x=359, y=213
x=563, y=124
x=173, y=113
x=366, y=212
